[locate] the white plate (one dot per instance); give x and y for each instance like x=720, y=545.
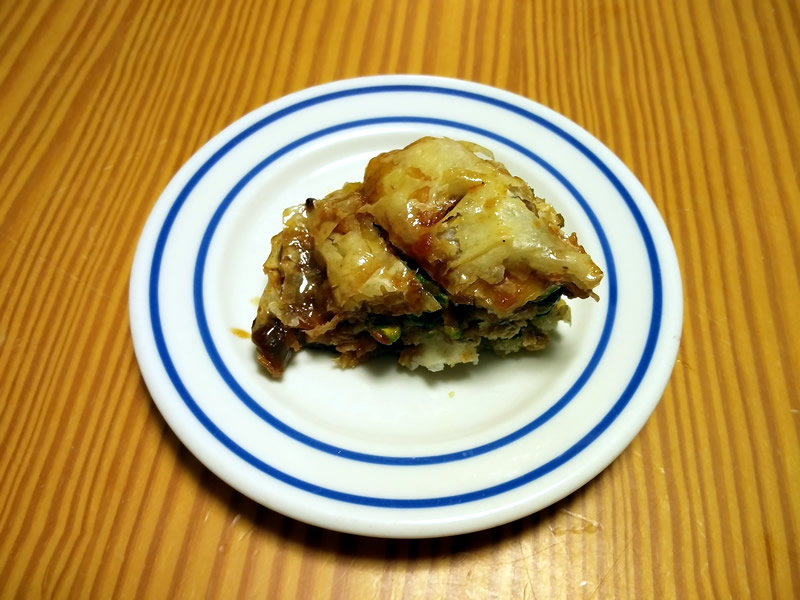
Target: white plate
x=377, y=450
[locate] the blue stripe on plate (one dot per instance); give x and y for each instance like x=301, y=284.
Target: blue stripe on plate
x=536, y=473
x=261, y=412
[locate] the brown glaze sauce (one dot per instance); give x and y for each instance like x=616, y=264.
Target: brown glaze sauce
x=311, y=302
x=275, y=343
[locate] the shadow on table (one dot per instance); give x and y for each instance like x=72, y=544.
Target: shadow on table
x=315, y=539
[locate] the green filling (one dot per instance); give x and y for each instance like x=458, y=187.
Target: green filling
x=454, y=333
x=431, y=287
x=387, y=334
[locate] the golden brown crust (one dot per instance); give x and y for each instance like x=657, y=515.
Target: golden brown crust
x=480, y=232
x=438, y=239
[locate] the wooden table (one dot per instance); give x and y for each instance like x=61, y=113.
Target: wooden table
x=101, y=102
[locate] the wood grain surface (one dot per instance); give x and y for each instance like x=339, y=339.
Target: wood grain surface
x=101, y=102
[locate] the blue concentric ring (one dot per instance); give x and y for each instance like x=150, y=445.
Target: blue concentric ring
x=265, y=415
x=574, y=450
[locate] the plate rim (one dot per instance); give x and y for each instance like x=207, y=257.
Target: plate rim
x=494, y=92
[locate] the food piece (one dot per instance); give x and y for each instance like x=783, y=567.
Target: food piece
x=438, y=254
